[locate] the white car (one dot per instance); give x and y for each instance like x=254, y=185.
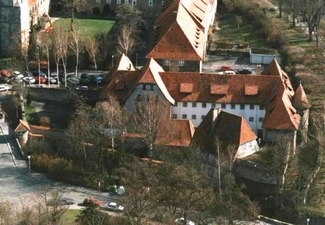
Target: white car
x=29, y=80
x=182, y=220
x=4, y=87
x=113, y=206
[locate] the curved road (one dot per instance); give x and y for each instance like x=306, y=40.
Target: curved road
x=16, y=183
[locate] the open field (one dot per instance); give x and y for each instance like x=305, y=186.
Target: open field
x=69, y=216
x=87, y=27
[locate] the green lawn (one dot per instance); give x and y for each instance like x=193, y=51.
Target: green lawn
x=69, y=216
x=87, y=27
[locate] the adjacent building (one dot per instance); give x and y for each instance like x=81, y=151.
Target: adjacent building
x=16, y=18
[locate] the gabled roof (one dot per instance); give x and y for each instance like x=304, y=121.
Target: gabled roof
x=273, y=68
x=22, y=126
x=217, y=88
x=280, y=113
x=120, y=85
x=176, y=36
x=125, y=64
x=300, y=100
x=229, y=129
x=180, y=133
x=150, y=75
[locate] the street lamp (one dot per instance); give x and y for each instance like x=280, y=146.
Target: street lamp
x=112, y=60
x=136, y=59
x=308, y=221
x=29, y=164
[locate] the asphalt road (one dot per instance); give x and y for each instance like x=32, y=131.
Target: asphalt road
x=16, y=184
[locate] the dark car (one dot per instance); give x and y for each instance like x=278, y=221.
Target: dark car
x=35, y=73
x=84, y=78
x=96, y=79
x=244, y=71
x=67, y=201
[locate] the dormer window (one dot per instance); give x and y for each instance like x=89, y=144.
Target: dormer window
x=216, y=89
x=181, y=63
x=251, y=90
x=186, y=87
x=166, y=62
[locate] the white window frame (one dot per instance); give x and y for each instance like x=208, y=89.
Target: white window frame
x=174, y=116
x=150, y=2
x=166, y=62
x=251, y=119
x=184, y=116
x=134, y=2
x=181, y=63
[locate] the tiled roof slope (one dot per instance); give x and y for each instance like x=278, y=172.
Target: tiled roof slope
x=225, y=127
x=121, y=79
x=219, y=88
x=280, y=113
x=300, y=100
x=273, y=68
x=120, y=84
x=176, y=36
x=150, y=75
x=175, y=133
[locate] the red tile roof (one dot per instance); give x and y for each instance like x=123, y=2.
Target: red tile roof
x=186, y=87
x=229, y=129
x=300, y=100
x=176, y=36
x=175, y=133
x=219, y=88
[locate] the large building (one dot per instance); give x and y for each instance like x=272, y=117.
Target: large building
x=16, y=18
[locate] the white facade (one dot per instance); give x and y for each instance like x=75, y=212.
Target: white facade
x=253, y=114
x=247, y=149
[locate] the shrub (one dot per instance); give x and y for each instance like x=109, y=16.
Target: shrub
x=60, y=169
x=40, y=162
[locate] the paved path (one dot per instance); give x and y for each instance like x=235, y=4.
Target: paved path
x=16, y=183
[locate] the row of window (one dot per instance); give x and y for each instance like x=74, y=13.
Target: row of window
x=180, y=62
x=194, y=117
x=119, y=2
x=223, y=106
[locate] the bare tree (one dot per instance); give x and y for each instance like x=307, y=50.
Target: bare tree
x=47, y=44
x=74, y=6
x=75, y=45
x=113, y=116
x=55, y=39
x=21, y=47
x=313, y=11
x=239, y=21
x=92, y=47
x=149, y=114
x=125, y=40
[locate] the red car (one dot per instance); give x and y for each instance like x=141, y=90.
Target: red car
x=41, y=80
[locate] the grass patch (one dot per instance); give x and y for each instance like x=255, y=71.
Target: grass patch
x=87, y=27
x=69, y=216
x=29, y=109
x=245, y=34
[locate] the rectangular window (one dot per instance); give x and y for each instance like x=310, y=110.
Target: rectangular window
x=184, y=116
x=150, y=2
x=193, y=117
x=223, y=106
x=174, y=116
x=194, y=104
x=204, y=105
x=118, y=2
x=260, y=119
x=151, y=85
x=202, y=117
x=166, y=62
x=181, y=63
x=184, y=104
x=251, y=119
x=213, y=105
x=251, y=106
x=261, y=107
x=143, y=87
x=242, y=106
x=233, y=106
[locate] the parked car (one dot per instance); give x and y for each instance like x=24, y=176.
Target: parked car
x=4, y=87
x=29, y=80
x=73, y=80
x=82, y=88
x=67, y=201
x=225, y=67
x=35, y=73
x=113, y=206
x=181, y=220
x=244, y=71
x=84, y=78
x=96, y=79
x=41, y=80
x=91, y=202
x=18, y=75
x=53, y=80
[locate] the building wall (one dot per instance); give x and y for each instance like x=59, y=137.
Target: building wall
x=138, y=93
x=179, y=65
x=247, y=149
x=149, y=8
x=254, y=116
